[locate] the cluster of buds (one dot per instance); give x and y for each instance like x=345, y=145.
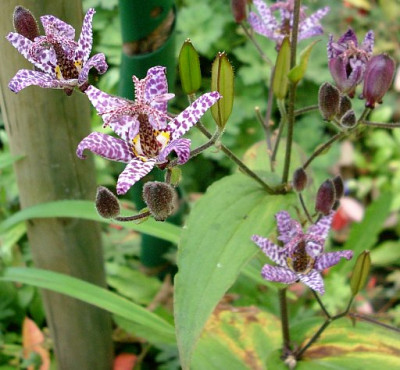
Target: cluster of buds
x=351, y=64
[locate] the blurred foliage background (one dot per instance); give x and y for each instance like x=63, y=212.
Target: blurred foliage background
x=369, y=164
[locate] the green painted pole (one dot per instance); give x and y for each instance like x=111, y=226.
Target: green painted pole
x=45, y=126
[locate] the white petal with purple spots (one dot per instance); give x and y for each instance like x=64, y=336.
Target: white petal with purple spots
x=97, y=61
x=85, y=41
x=322, y=227
x=106, y=146
x=271, y=250
x=314, y=280
x=326, y=260
x=287, y=227
x=189, y=117
x=133, y=172
x=54, y=26
x=278, y=274
x=180, y=146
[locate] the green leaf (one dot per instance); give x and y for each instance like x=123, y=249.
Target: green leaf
x=365, y=234
x=298, y=71
x=148, y=325
x=215, y=246
x=280, y=84
x=189, y=68
x=6, y=160
x=86, y=210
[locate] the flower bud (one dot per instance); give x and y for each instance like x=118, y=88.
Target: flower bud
x=377, y=79
x=282, y=66
x=25, y=23
x=107, y=204
x=239, y=10
x=360, y=272
x=299, y=179
x=325, y=197
x=344, y=106
x=349, y=120
x=161, y=199
x=328, y=101
x=339, y=187
x=189, y=68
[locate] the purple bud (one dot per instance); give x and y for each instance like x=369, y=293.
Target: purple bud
x=378, y=78
x=107, y=204
x=328, y=101
x=325, y=197
x=161, y=199
x=344, y=106
x=239, y=10
x=25, y=23
x=349, y=120
x=339, y=187
x=299, y=179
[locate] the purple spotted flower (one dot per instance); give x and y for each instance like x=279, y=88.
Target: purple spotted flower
x=148, y=134
x=268, y=25
x=348, y=60
x=302, y=257
x=60, y=61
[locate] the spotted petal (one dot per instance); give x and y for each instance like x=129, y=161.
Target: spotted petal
x=326, y=260
x=313, y=280
x=189, y=117
x=310, y=26
x=25, y=77
x=278, y=274
x=322, y=227
x=266, y=30
x=97, y=61
x=368, y=42
x=287, y=227
x=125, y=126
x=180, y=146
x=133, y=172
x=157, y=86
x=271, y=250
x=106, y=146
x=85, y=41
x=54, y=26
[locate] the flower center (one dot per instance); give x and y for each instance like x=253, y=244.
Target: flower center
x=66, y=68
x=300, y=261
x=148, y=142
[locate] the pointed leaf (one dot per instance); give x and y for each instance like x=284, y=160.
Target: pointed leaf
x=214, y=247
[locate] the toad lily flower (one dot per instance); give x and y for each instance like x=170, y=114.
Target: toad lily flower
x=348, y=60
x=60, y=61
x=147, y=133
x=267, y=25
x=301, y=258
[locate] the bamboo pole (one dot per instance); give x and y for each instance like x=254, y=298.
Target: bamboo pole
x=45, y=127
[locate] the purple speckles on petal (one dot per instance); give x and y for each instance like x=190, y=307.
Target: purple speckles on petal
x=133, y=172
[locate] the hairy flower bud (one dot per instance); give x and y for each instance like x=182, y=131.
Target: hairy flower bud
x=299, y=179
x=344, y=106
x=161, y=199
x=107, y=204
x=349, y=120
x=328, y=101
x=377, y=79
x=239, y=10
x=325, y=197
x=25, y=23
x=339, y=187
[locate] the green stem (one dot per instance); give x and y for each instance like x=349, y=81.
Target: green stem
x=308, y=109
x=381, y=124
x=323, y=147
x=284, y=319
x=303, y=205
x=258, y=47
x=321, y=305
x=132, y=218
x=282, y=124
x=373, y=321
x=292, y=92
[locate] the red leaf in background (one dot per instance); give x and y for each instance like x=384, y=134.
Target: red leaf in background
x=32, y=341
x=125, y=361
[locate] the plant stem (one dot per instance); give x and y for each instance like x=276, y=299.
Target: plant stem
x=373, y=321
x=132, y=218
x=282, y=123
x=308, y=109
x=381, y=124
x=292, y=92
x=232, y=156
x=303, y=205
x=284, y=320
x=258, y=47
x=268, y=114
x=323, y=147
x=321, y=305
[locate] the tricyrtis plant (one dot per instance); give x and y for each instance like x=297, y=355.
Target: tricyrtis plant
x=237, y=212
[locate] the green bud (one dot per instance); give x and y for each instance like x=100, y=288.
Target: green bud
x=299, y=70
x=189, y=68
x=282, y=66
x=360, y=272
x=328, y=101
x=161, y=199
x=222, y=80
x=107, y=204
